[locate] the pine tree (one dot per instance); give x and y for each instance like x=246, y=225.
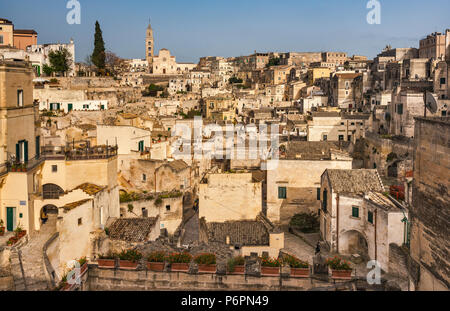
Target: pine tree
x=98, y=56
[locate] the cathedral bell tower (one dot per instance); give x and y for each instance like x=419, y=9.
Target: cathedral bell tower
x=149, y=47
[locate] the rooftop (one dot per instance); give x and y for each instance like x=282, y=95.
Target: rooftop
x=244, y=233
x=132, y=229
x=354, y=181
x=90, y=189
x=73, y=205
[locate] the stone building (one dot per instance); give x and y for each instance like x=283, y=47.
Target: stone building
x=230, y=197
x=291, y=193
x=434, y=46
x=149, y=47
x=342, y=90
x=356, y=217
x=20, y=140
x=430, y=203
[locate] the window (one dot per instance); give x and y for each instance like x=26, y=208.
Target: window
x=80, y=221
x=444, y=113
x=325, y=200
x=325, y=137
x=54, y=168
x=355, y=211
x=167, y=208
x=400, y=108
x=20, y=98
x=144, y=177
x=442, y=81
x=318, y=194
x=1, y=39
x=341, y=137
x=370, y=217
x=282, y=193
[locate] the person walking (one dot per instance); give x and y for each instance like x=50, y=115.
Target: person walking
x=44, y=216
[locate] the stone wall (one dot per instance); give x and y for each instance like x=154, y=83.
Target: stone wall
x=430, y=211
x=115, y=280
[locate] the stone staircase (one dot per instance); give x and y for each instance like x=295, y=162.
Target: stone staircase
x=27, y=262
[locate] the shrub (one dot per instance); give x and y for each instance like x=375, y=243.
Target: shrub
x=236, y=261
x=82, y=261
x=270, y=262
x=294, y=262
x=158, y=201
x=337, y=263
x=156, y=257
x=306, y=223
x=179, y=258
x=130, y=255
x=109, y=255
x=205, y=259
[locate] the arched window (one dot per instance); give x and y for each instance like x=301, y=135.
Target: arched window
x=51, y=191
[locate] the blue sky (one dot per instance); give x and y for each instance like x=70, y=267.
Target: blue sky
x=194, y=28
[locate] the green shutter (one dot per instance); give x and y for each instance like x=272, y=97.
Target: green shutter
x=17, y=153
x=38, y=146
x=25, y=145
x=370, y=217
x=355, y=212
x=282, y=192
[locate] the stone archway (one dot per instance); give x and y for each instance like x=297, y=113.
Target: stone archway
x=50, y=209
x=353, y=242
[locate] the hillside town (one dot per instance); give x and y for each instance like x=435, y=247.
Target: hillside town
x=271, y=171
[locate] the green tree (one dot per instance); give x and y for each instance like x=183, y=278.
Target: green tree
x=273, y=61
x=98, y=55
x=47, y=70
x=60, y=60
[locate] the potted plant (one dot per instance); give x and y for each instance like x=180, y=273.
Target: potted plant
x=107, y=261
x=2, y=228
x=129, y=259
x=299, y=268
x=179, y=261
x=19, y=232
x=270, y=266
x=156, y=261
x=340, y=269
x=206, y=263
x=236, y=265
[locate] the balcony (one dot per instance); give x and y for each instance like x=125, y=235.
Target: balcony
x=76, y=153
x=19, y=167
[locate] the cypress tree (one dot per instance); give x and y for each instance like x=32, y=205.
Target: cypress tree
x=98, y=55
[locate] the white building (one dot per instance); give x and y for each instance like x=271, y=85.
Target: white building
x=67, y=106
x=45, y=49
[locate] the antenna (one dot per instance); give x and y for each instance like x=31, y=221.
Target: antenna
x=430, y=103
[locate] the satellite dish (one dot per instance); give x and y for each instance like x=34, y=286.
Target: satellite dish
x=430, y=102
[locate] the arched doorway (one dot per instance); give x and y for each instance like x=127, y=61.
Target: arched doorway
x=50, y=209
x=393, y=170
x=353, y=242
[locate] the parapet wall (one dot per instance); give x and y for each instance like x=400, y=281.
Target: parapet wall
x=120, y=280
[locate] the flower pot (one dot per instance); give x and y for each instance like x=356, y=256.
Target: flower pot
x=341, y=274
x=179, y=267
x=238, y=270
x=106, y=263
x=2, y=231
x=22, y=234
x=155, y=266
x=270, y=271
x=207, y=268
x=300, y=272
x=127, y=265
